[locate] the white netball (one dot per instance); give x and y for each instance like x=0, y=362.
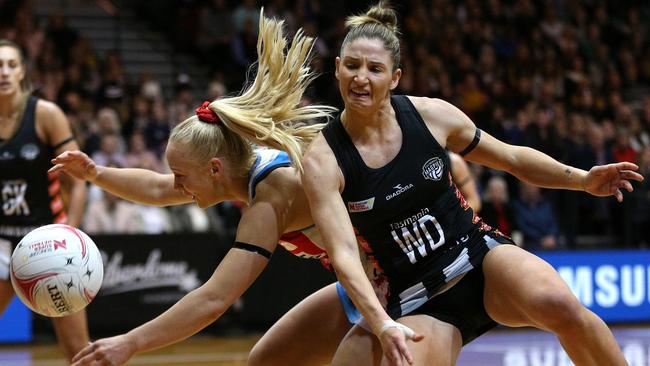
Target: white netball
x=56, y=270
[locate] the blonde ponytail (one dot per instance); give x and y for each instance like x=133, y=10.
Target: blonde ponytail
x=268, y=111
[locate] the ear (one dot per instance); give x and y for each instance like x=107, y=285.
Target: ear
x=216, y=167
x=395, y=78
x=337, y=63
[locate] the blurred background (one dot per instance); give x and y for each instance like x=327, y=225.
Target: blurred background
x=570, y=78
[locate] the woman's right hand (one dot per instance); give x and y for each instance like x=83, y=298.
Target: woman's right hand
x=107, y=351
x=75, y=163
x=393, y=337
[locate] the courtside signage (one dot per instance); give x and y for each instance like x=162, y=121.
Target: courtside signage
x=16, y=323
x=613, y=284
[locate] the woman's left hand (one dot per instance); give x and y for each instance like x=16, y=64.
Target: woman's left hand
x=607, y=180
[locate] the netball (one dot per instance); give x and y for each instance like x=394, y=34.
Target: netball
x=56, y=270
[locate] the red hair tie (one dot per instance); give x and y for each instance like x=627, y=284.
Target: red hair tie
x=206, y=114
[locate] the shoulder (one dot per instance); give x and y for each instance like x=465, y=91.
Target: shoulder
x=319, y=155
x=50, y=116
x=48, y=110
x=435, y=109
x=321, y=169
x=52, y=123
x=280, y=185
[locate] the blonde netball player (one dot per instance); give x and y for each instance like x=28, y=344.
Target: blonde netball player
x=212, y=160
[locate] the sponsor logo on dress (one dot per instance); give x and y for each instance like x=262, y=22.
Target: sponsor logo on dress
x=398, y=190
x=361, y=206
x=29, y=152
x=432, y=169
x=7, y=155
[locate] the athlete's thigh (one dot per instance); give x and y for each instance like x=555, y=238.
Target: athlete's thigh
x=517, y=282
x=307, y=335
x=441, y=344
x=440, y=347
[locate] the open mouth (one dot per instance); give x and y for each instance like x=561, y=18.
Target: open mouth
x=359, y=94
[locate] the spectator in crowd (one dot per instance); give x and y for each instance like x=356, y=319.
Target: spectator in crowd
x=535, y=218
x=109, y=152
x=138, y=155
x=108, y=214
x=542, y=75
x=496, y=209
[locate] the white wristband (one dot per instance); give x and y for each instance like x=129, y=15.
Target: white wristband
x=408, y=332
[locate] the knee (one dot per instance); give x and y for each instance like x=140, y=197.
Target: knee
x=560, y=312
x=259, y=356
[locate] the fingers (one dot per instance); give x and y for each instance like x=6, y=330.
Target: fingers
x=404, y=351
x=395, y=357
x=627, y=185
x=88, y=349
x=68, y=155
x=625, y=165
x=618, y=194
x=628, y=174
x=417, y=337
x=55, y=168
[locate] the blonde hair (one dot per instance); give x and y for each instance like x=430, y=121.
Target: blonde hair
x=379, y=22
x=268, y=111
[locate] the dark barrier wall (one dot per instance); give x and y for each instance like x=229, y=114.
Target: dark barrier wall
x=145, y=275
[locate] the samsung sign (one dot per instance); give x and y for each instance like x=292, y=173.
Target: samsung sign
x=613, y=284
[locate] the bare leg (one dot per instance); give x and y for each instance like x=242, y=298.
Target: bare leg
x=521, y=289
x=307, y=335
x=72, y=333
x=440, y=347
x=6, y=294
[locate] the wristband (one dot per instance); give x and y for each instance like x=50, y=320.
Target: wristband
x=408, y=332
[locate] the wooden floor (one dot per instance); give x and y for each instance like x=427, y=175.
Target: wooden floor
x=198, y=351
x=500, y=347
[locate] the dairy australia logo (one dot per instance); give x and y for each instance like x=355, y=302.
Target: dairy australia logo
x=120, y=278
x=432, y=169
x=398, y=190
x=361, y=206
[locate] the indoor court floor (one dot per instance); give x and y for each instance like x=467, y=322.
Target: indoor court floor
x=501, y=347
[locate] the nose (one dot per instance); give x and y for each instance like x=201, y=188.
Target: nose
x=361, y=77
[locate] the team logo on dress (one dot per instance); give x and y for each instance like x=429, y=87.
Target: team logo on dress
x=29, y=152
x=432, y=169
x=361, y=206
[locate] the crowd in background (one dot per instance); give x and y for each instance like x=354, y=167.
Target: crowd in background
x=570, y=78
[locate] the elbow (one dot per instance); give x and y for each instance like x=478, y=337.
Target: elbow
x=212, y=304
x=342, y=260
x=512, y=160
x=215, y=309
